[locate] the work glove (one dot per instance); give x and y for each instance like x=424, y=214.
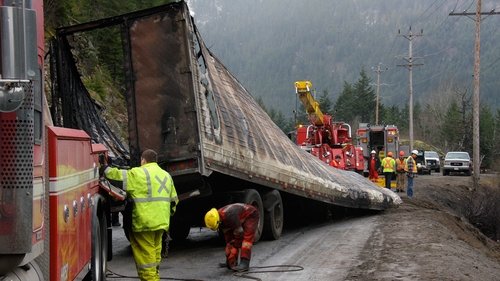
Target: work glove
x=101, y=159
x=102, y=168
x=104, y=162
x=231, y=256
x=109, y=161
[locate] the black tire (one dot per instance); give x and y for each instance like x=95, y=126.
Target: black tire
x=98, y=264
x=445, y=173
x=273, y=215
x=179, y=228
x=252, y=197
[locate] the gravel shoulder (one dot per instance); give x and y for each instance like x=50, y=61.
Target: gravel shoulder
x=425, y=239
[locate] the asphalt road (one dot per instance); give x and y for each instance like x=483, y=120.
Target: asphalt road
x=423, y=239
x=325, y=251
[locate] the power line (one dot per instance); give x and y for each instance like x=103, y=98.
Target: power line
x=378, y=70
x=410, y=64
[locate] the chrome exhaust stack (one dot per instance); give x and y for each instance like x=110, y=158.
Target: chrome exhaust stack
x=18, y=53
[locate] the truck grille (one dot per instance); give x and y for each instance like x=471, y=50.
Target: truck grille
x=16, y=177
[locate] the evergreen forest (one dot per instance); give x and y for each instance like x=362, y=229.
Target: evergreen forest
x=337, y=45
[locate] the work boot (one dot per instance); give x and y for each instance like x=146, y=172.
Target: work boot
x=243, y=266
x=226, y=265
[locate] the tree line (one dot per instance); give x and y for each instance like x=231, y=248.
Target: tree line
x=444, y=121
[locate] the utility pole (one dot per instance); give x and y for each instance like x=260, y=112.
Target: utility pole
x=410, y=64
x=378, y=70
x=475, y=98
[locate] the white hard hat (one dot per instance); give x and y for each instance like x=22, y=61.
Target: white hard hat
x=414, y=152
x=373, y=152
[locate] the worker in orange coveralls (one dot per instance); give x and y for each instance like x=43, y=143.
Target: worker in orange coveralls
x=238, y=223
x=373, y=166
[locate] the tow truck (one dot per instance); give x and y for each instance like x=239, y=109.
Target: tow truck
x=54, y=212
x=380, y=138
x=330, y=141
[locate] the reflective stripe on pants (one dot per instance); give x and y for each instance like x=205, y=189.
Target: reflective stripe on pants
x=146, y=248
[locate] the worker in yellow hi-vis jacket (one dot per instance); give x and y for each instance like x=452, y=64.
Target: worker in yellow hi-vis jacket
x=389, y=166
x=154, y=198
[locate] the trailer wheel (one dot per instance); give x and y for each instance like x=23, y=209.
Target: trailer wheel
x=99, y=248
x=252, y=197
x=273, y=215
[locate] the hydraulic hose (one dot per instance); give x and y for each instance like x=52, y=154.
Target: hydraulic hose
x=287, y=268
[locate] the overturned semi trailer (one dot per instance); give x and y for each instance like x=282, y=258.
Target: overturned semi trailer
x=211, y=135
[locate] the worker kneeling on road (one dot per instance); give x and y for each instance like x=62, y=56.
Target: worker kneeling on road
x=154, y=198
x=238, y=223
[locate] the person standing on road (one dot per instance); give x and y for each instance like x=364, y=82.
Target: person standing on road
x=154, y=199
x=373, y=166
x=389, y=166
x=400, y=172
x=239, y=223
x=411, y=165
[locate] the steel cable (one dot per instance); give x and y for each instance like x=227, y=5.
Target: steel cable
x=244, y=274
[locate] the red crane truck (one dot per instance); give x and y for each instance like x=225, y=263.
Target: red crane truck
x=53, y=210
x=330, y=141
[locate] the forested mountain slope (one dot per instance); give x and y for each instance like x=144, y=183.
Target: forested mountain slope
x=270, y=44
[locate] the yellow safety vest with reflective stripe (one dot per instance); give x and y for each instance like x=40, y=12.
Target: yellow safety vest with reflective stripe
x=401, y=166
x=152, y=190
x=388, y=164
x=413, y=167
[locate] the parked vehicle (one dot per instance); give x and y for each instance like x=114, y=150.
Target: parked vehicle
x=432, y=161
x=422, y=164
x=381, y=138
x=457, y=162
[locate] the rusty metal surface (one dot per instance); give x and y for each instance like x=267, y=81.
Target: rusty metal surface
x=161, y=106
